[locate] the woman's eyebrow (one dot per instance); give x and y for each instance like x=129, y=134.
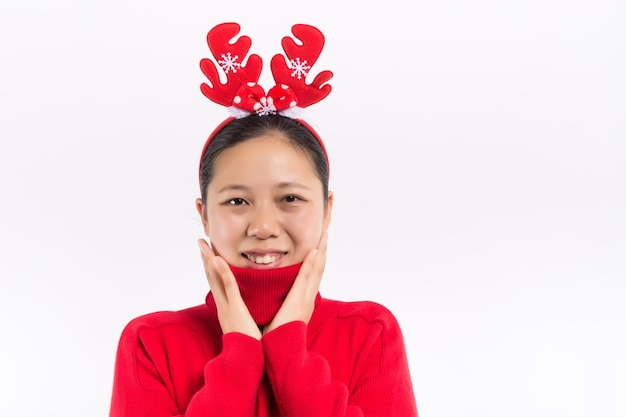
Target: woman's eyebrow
x=292, y=184
x=281, y=185
x=231, y=187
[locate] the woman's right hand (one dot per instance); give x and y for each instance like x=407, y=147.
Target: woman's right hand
x=232, y=312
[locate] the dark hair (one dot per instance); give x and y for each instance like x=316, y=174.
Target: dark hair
x=253, y=126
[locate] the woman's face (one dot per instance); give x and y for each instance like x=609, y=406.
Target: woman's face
x=265, y=205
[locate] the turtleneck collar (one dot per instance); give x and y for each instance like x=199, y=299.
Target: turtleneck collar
x=263, y=290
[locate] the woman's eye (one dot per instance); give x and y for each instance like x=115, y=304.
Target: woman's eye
x=236, y=201
x=291, y=199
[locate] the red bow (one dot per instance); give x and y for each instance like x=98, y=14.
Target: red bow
x=252, y=98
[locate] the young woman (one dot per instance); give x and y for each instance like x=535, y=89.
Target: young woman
x=265, y=343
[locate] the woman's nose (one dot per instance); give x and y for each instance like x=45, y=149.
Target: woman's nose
x=263, y=223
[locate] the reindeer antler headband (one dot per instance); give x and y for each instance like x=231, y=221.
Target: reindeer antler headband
x=243, y=96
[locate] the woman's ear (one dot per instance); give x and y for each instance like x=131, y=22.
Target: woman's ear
x=328, y=210
x=201, y=213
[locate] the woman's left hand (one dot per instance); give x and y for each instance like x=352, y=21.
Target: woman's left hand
x=232, y=312
x=300, y=301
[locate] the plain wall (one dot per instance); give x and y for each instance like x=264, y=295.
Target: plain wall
x=477, y=158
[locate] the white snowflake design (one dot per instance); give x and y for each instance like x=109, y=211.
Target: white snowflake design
x=300, y=69
x=229, y=63
x=265, y=106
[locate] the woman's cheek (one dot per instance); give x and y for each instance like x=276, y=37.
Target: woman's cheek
x=225, y=234
x=307, y=230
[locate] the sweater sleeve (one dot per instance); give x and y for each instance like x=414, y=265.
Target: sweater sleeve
x=145, y=382
x=304, y=386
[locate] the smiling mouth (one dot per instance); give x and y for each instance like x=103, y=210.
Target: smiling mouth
x=263, y=259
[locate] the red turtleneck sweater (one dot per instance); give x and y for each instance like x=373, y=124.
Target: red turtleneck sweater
x=349, y=361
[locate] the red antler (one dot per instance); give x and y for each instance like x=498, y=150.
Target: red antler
x=301, y=59
x=230, y=57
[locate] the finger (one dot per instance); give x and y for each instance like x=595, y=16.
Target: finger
x=319, y=263
x=220, y=277
x=312, y=257
x=211, y=268
x=207, y=255
x=318, y=257
x=310, y=274
x=226, y=277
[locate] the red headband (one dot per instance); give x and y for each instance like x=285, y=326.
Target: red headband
x=243, y=96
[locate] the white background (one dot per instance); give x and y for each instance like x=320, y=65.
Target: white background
x=477, y=157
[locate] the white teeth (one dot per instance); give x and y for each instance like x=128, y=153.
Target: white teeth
x=263, y=260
